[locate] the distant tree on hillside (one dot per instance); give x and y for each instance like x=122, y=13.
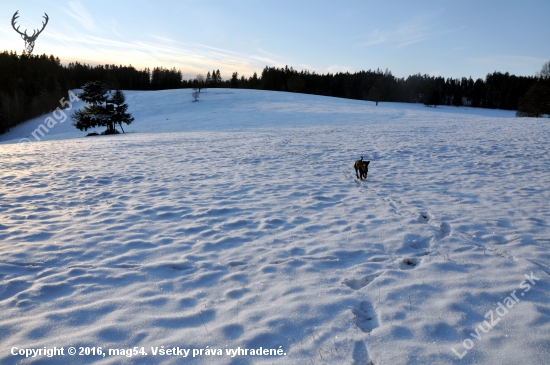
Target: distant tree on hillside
x=545, y=72
x=199, y=83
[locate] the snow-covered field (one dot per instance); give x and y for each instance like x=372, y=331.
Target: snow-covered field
x=238, y=221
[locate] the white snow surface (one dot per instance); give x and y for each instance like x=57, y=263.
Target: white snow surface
x=237, y=221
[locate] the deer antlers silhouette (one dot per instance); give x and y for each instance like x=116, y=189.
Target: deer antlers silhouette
x=29, y=40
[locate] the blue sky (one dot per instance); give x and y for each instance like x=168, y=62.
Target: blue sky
x=447, y=38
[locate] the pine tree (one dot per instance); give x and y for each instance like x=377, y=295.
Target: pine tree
x=95, y=114
x=94, y=93
x=214, y=78
x=235, y=80
x=101, y=111
x=120, y=114
x=254, y=81
x=209, y=79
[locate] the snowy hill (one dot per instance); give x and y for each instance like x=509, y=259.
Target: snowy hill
x=237, y=223
x=237, y=110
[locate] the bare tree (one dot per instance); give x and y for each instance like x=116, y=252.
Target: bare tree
x=199, y=83
x=545, y=72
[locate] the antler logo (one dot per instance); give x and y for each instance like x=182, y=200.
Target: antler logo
x=29, y=40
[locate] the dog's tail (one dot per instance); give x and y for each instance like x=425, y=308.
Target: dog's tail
x=361, y=158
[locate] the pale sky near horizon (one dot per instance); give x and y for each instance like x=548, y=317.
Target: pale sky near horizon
x=448, y=38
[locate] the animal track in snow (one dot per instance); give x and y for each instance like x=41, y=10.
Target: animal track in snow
x=445, y=229
x=356, y=284
x=181, y=267
x=378, y=259
x=509, y=241
x=235, y=263
x=424, y=217
x=365, y=317
x=127, y=266
x=409, y=263
x=419, y=242
x=360, y=354
x=464, y=248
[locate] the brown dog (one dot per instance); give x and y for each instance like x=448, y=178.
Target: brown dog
x=362, y=167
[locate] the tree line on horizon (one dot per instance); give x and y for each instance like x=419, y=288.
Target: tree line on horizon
x=32, y=85
x=497, y=91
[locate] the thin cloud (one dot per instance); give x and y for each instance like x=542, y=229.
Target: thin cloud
x=190, y=58
x=376, y=37
x=266, y=53
x=268, y=58
x=417, y=29
x=113, y=24
x=71, y=45
x=79, y=12
x=267, y=61
x=460, y=49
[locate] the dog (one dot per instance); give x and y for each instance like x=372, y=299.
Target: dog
x=362, y=167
